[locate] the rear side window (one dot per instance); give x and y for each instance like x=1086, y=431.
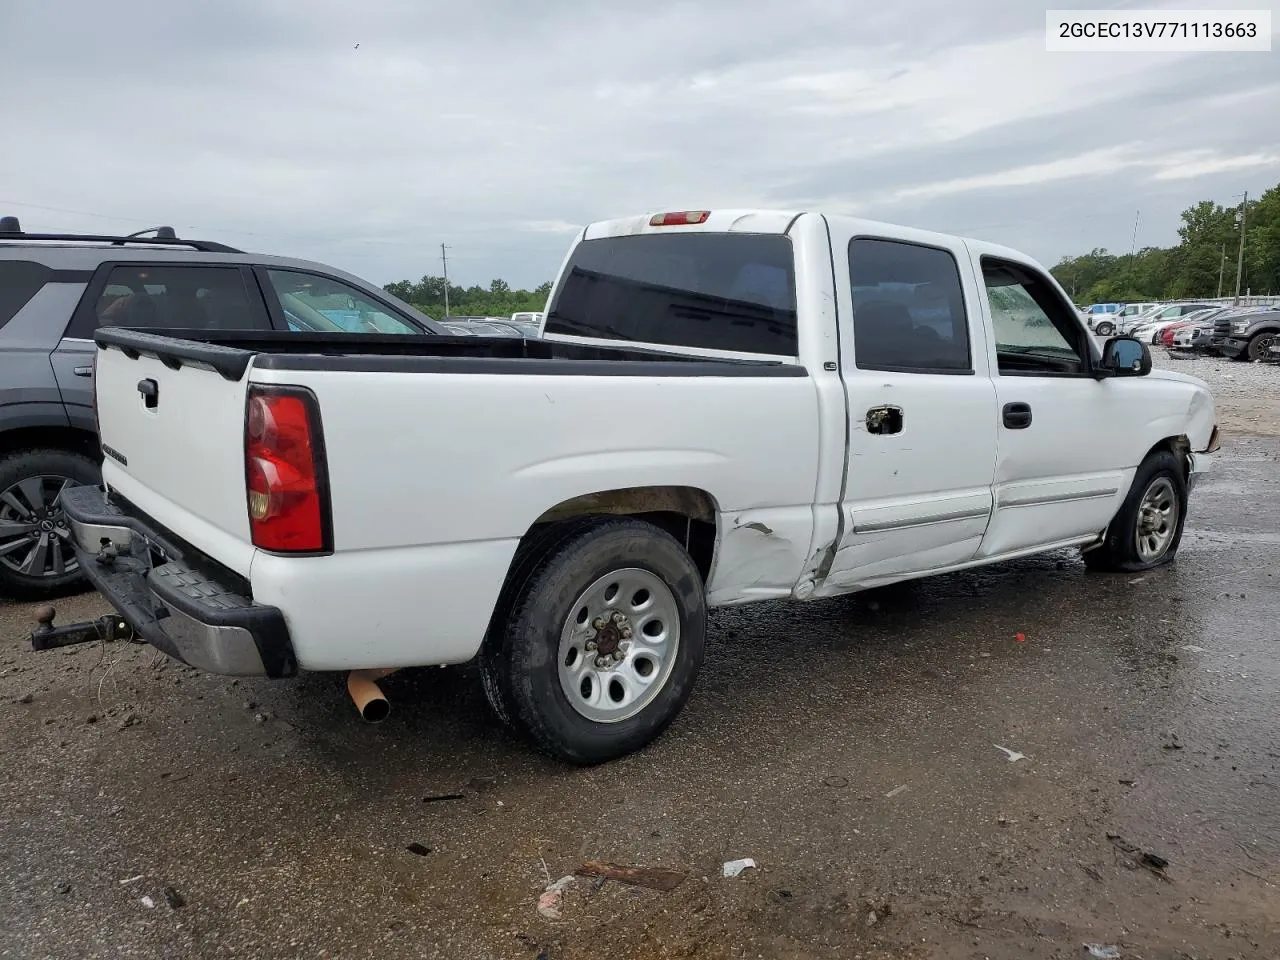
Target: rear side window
x=908, y=308
x=162, y=296
x=20, y=280
x=715, y=291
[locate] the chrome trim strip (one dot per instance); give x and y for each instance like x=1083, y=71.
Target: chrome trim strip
x=1035, y=501
x=876, y=526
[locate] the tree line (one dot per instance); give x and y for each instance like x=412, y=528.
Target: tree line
x=499, y=300
x=1202, y=264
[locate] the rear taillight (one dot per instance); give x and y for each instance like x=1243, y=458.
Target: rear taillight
x=285, y=481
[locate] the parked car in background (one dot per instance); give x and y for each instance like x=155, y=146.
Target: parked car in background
x=1126, y=325
x=1251, y=335
x=849, y=409
x=485, y=327
x=57, y=289
x=1132, y=311
x=1101, y=317
x=1152, y=330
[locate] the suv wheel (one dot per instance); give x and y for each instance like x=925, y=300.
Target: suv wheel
x=1105, y=329
x=36, y=560
x=1260, y=347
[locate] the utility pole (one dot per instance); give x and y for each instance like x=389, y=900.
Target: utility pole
x=1222, y=262
x=1134, y=245
x=444, y=262
x=1244, y=209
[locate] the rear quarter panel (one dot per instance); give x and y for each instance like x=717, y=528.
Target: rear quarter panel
x=435, y=478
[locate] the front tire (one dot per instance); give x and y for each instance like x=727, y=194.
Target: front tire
x=36, y=560
x=1105, y=329
x=1147, y=529
x=1260, y=347
x=597, y=640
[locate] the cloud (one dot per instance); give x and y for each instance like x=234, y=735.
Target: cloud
x=499, y=128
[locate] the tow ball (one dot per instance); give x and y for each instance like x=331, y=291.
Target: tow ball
x=46, y=636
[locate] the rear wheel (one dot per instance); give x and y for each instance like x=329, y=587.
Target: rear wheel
x=1147, y=529
x=1105, y=329
x=36, y=560
x=597, y=641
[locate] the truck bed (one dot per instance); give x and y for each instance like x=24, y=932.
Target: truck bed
x=231, y=353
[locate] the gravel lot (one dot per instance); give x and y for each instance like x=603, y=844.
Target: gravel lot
x=1247, y=394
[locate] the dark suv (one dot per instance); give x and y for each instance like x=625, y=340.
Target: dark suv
x=56, y=289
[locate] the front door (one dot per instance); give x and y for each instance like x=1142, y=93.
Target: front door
x=1065, y=457
x=922, y=438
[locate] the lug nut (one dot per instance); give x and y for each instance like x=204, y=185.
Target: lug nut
x=619, y=619
x=598, y=623
x=626, y=633
x=592, y=645
x=602, y=662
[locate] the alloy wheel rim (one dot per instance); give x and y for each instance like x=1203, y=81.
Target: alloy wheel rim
x=618, y=645
x=35, y=540
x=1157, y=519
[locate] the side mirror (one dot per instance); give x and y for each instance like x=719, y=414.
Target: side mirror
x=1125, y=357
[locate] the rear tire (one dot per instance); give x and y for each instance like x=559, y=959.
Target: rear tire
x=1105, y=329
x=1147, y=529
x=36, y=561
x=586, y=689
x=1260, y=347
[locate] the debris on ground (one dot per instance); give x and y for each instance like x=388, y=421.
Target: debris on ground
x=1173, y=743
x=654, y=878
x=1149, y=861
x=130, y=720
x=173, y=898
x=836, y=782
x=148, y=903
x=26, y=698
x=734, y=867
x=1020, y=637
x=128, y=880
x=482, y=784
x=552, y=898
x=1102, y=952
x=418, y=849
x=443, y=797
x=1014, y=755
x=63, y=888
x=1192, y=648
x=895, y=791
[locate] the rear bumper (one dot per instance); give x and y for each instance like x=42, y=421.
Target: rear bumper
x=161, y=588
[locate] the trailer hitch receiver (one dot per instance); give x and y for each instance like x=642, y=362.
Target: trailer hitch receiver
x=46, y=636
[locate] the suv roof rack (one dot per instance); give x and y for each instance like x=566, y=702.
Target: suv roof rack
x=11, y=229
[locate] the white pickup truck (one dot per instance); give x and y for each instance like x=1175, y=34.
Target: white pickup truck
x=725, y=407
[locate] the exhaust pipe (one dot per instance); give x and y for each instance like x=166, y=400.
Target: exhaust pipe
x=369, y=699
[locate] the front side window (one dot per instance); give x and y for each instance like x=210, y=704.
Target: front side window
x=908, y=308
x=316, y=304
x=1034, y=331
x=715, y=291
x=165, y=296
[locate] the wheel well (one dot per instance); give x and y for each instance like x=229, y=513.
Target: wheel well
x=44, y=438
x=687, y=513
x=1179, y=446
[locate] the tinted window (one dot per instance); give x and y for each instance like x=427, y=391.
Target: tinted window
x=161, y=295
x=908, y=308
x=314, y=303
x=716, y=291
x=1034, y=330
x=20, y=280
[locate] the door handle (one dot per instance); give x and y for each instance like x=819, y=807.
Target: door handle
x=1017, y=416
x=83, y=371
x=150, y=391
x=883, y=420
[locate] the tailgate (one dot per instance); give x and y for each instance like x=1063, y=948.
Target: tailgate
x=171, y=421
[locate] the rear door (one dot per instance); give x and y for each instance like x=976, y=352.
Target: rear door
x=922, y=409
x=151, y=294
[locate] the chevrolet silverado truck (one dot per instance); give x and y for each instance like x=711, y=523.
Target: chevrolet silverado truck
x=724, y=407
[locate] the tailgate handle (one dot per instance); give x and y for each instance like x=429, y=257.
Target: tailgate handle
x=150, y=391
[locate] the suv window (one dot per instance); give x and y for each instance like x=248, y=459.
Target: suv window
x=20, y=280
x=162, y=295
x=1035, y=332
x=713, y=291
x=319, y=304
x=908, y=308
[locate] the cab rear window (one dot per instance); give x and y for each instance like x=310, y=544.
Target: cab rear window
x=715, y=291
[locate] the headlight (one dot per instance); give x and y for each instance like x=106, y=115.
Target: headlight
x=1239, y=326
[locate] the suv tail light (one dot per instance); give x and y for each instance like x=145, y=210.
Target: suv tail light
x=286, y=485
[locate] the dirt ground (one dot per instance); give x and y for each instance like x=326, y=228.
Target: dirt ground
x=856, y=749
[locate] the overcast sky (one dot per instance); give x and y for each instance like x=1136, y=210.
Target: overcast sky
x=365, y=133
